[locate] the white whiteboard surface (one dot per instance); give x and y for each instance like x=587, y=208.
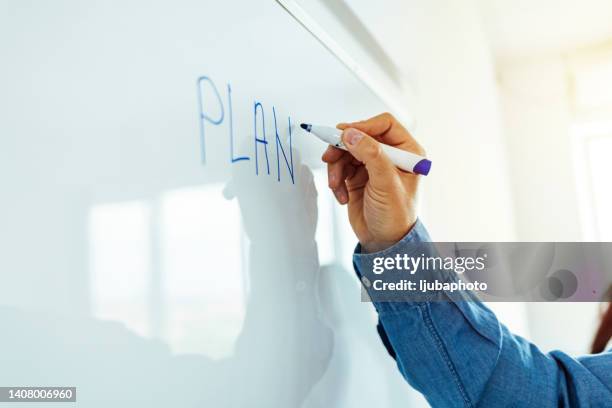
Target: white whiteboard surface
x=141, y=261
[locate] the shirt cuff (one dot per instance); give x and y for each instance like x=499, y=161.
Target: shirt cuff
x=409, y=245
x=418, y=233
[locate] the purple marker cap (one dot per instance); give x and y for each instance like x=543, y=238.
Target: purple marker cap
x=422, y=167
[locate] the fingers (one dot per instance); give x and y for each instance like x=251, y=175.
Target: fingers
x=346, y=170
x=332, y=154
x=339, y=168
x=385, y=128
x=341, y=194
x=375, y=126
x=357, y=181
x=368, y=151
x=337, y=172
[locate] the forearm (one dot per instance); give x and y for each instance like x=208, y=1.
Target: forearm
x=416, y=334
x=456, y=353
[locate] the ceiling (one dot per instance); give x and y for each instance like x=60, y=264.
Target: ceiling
x=525, y=27
x=515, y=28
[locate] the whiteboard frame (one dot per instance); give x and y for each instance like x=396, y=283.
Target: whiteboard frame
x=396, y=106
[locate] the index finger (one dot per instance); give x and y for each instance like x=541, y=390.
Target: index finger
x=384, y=127
x=332, y=154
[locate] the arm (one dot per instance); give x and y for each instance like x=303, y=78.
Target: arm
x=458, y=354
x=455, y=352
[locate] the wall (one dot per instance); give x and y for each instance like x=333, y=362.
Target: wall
x=535, y=96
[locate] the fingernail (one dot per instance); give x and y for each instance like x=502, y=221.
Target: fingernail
x=340, y=196
x=352, y=136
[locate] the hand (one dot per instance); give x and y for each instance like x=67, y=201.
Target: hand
x=381, y=198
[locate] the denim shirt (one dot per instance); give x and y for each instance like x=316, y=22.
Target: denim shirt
x=459, y=355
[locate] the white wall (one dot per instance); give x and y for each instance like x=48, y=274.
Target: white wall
x=535, y=97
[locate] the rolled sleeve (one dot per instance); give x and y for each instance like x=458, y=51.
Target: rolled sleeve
x=456, y=352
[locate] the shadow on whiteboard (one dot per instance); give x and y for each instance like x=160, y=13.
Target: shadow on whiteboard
x=281, y=352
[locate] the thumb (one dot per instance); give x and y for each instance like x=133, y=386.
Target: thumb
x=368, y=151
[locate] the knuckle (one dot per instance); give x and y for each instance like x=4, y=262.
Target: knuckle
x=333, y=184
x=335, y=175
x=373, y=151
x=388, y=116
x=418, y=149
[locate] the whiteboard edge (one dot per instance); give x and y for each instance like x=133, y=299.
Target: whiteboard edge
x=374, y=84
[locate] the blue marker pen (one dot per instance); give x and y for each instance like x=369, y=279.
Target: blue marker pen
x=404, y=160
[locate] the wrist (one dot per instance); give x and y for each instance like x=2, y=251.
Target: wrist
x=380, y=244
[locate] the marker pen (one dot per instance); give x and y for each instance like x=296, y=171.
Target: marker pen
x=404, y=160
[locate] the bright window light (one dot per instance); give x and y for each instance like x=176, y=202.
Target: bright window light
x=592, y=134
x=593, y=85
x=202, y=270
x=593, y=167
x=120, y=255
x=599, y=151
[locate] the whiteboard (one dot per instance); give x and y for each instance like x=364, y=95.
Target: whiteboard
x=163, y=241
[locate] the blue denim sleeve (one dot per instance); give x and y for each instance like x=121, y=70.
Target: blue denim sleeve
x=457, y=353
